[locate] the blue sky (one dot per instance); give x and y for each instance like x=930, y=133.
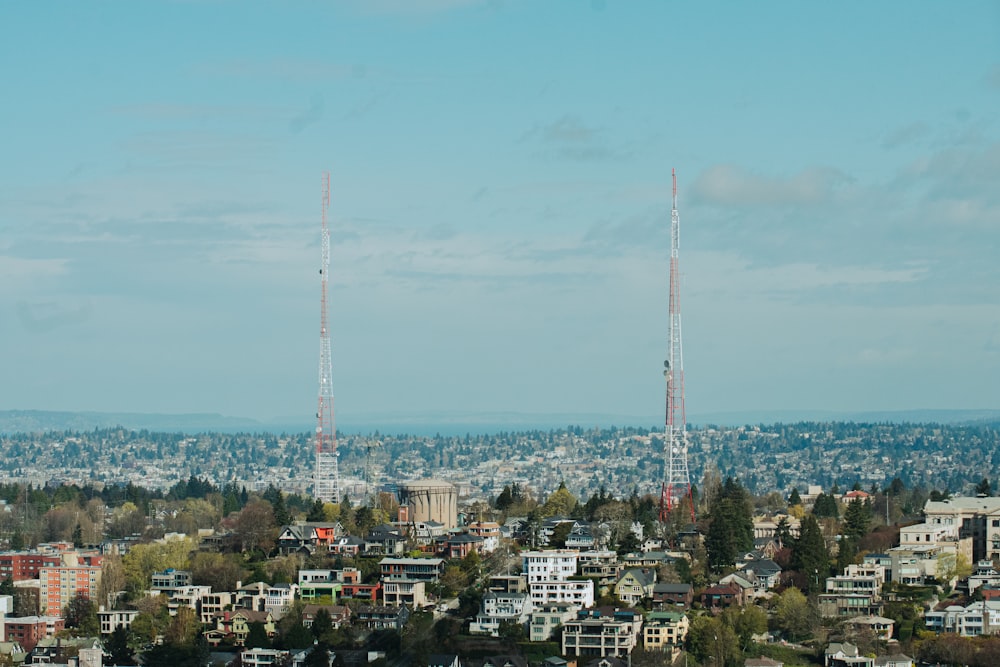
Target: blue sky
x=501, y=193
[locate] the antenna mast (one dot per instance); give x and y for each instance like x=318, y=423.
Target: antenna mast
x=326, y=482
x=677, y=481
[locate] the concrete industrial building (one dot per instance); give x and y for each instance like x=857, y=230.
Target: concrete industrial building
x=431, y=500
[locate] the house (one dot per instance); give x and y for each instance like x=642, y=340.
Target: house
x=602, y=632
x=766, y=571
x=28, y=631
x=339, y=614
x=382, y=618
x=762, y=661
x=635, y=585
x=745, y=580
x=554, y=565
x=547, y=618
x=385, y=540
x=109, y=621
x=296, y=539
x=897, y=660
x=276, y=598
x=720, y=596
x=845, y=655
x=573, y=591
x=879, y=625
x=170, y=579
x=581, y=536
x=664, y=630
x=602, y=566
x=976, y=619
x=422, y=569
x=411, y=592
x=459, y=545
x=359, y=591
x=648, y=559
x=234, y=626
x=673, y=595
x=347, y=545
x=489, y=531
x=499, y=607
x=505, y=661
x=443, y=660
x=315, y=584
x=263, y=657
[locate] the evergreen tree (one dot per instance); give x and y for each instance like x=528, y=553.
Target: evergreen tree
x=794, y=498
x=730, y=529
x=809, y=554
x=322, y=623
x=257, y=636
x=826, y=506
x=857, y=518
x=984, y=488
x=297, y=636
x=316, y=512
x=117, y=648
x=505, y=499
x=318, y=656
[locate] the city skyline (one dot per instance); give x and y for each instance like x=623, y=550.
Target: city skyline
x=500, y=206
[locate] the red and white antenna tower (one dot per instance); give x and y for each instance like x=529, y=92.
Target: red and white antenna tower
x=676, y=480
x=326, y=477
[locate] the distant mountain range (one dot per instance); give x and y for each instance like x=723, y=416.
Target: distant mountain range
x=456, y=423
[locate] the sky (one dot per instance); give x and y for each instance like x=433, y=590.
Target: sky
x=501, y=192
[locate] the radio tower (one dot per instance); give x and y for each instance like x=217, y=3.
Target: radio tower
x=326, y=478
x=676, y=480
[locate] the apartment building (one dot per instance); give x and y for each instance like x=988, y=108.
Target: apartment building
x=603, y=633
x=29, y=630
x=61, y=583
x=555, y=565
x=546, y=619
x=664, y=630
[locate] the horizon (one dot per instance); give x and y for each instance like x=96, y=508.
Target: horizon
x=500, y=206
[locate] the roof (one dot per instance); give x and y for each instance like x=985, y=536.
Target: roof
x=643, y=575
x=670, y=616
x=683, y=589
x=762, y=661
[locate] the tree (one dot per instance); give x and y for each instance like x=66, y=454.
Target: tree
x=322, y=623
x=81, y=616
x=184, y=627
x=560, y=502
x=783, y=532
x=794, y=615
x=826, y=506
x=809, y=554
x=505, y=499
x=257, y=636
x=256, y=526
x=794, y=498
x=510, y=629
x=316, y=511
x=746, y=622
x=857, y=519
x=709, y=639
x=730, y=531
x=559, y=534
x=297, y=636
x=318, y=656
x=983, y=488
x=117, y=648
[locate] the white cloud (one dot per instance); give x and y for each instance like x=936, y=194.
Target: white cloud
x=731, y=185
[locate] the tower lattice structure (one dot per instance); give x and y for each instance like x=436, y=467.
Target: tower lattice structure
x=676, y=477
x=326, y=485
